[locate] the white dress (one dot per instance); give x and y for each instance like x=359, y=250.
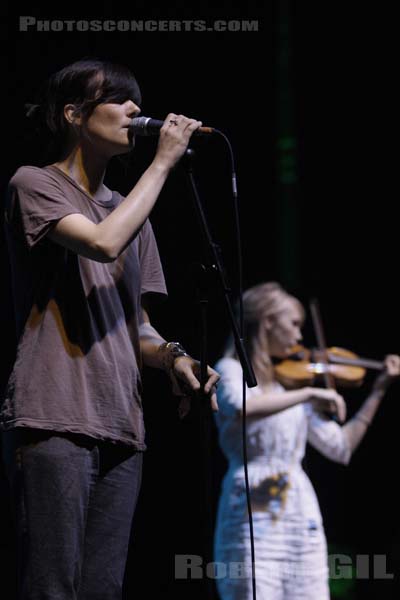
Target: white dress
x=290, y=545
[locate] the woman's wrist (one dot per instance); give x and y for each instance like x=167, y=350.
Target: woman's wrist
x=379, y=390
x=363, y=419
x=306, y=394
x=161, y=166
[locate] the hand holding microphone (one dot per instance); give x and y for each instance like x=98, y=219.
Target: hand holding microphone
x=174, y=135
x=147, y=126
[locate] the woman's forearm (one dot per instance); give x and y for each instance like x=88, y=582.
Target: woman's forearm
x=117, y=230
x=356, y=428
x=270, y=403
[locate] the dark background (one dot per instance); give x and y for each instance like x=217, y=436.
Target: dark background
x=320, y=218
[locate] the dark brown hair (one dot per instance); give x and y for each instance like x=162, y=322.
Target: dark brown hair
x=86, y=84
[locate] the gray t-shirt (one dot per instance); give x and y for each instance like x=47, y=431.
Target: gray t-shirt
x=78, y=358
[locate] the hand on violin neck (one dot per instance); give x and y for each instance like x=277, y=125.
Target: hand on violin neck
x=328, y=401
x=392, y=365
x=389, y=374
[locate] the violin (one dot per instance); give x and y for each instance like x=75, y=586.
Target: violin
x=305, y=367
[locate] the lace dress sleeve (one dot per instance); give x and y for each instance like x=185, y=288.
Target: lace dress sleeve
x=327, y=437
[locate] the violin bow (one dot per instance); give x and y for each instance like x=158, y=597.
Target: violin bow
x=321, y=342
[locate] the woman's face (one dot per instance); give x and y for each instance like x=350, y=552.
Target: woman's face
x=107, y=127
x=283, y=329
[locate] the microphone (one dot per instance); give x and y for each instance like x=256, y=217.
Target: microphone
x=147, y=126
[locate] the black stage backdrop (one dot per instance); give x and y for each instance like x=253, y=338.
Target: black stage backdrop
x=306, y=102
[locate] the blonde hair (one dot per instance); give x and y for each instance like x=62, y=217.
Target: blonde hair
x=260, y=302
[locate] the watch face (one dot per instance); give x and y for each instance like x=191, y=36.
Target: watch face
x=178, y=348
x=175, y=350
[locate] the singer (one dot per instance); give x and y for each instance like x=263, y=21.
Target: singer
x=84, y=260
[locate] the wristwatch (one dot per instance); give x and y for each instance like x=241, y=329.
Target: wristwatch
x=170, y=352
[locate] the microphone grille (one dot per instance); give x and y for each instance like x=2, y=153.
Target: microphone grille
x=138, y=125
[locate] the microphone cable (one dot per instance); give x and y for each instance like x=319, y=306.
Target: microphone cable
x=241, y=330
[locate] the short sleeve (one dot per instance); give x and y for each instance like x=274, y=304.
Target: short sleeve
x=35, y=202
x=229, y=391
x=152, y=275
x=326, y=436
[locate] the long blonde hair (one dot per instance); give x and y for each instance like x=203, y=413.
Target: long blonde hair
x=261, y=302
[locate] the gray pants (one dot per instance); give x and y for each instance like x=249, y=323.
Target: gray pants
x=74, y=501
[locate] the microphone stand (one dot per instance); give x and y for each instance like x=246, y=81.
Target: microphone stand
x=218, y=268
x=216, y=272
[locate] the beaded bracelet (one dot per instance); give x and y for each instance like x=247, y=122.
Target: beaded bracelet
x=363, y=419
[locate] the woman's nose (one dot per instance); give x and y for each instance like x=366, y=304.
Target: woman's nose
x=132, y=109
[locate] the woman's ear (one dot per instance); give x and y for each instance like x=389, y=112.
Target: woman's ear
x=72, y=114
x=268, y=323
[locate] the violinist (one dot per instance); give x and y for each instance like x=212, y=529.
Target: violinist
x=290, y=544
